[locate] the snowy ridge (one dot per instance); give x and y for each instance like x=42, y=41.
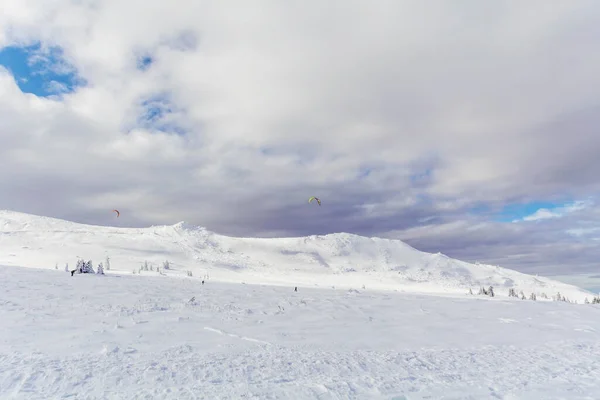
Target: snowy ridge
x=340, y=260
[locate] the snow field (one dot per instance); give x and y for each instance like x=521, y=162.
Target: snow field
x=125, y=337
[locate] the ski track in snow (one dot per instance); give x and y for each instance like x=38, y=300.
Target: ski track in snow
x=134, y=337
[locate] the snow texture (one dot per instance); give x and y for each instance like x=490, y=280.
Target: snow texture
x=123, y=337
x=166, y=335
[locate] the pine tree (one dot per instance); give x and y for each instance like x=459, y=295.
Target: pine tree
x=586, y=301
x=533, y=297
x=491, y=291
x=512, y=292
x=107, y=263
x=85, y=267
x=100, y=269
x=558, y=297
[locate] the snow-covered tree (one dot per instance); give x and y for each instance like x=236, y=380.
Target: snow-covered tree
x=85, y=267
x=586, y=301
x=89, y=267
x=512, y=292
x=67, y=267
x=533, y=297
x=558, y=297
x=107, y=263
x=166, y=264
x=100, y=269
x=491, y=291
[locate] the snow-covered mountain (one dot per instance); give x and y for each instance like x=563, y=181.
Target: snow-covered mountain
x=338, y=260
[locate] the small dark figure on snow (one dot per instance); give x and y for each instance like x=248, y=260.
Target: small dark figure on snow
x=296, y=289
x=203, y=282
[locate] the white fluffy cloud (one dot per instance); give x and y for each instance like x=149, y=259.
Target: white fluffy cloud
x=393, y=112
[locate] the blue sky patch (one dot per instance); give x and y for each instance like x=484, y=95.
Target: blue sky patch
x=41, y=71
x=159, y=113
x=512, y=212
x=144, y=62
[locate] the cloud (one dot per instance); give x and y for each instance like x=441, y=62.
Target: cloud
x=557, y=212
x=413, y=120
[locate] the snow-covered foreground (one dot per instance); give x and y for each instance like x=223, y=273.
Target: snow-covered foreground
x=124, y=337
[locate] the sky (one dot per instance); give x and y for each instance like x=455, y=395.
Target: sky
x=468, y=128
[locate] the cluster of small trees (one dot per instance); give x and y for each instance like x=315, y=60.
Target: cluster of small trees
x=86, y=267
x=484, y=292
x=521, y=295
x=513, y=293
x=146, y=266
x=595, y=300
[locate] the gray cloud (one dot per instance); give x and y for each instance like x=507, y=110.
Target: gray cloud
x=401, y=116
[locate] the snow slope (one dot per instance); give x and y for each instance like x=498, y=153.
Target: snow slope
x=120, y=336
x=341, y=260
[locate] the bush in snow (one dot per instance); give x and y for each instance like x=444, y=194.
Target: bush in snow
x=189, y=273
x=533, y=297
x=100, y=269
x=512, y=292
